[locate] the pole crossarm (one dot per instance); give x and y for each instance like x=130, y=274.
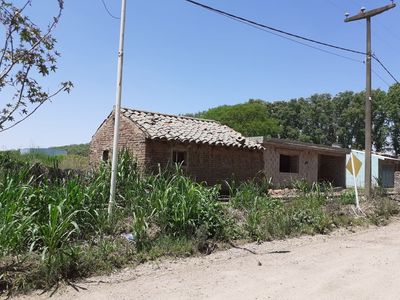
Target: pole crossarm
x=370, y=13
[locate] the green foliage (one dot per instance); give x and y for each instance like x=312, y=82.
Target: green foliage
x=250, y=119
x=301, y=185
x=55, y=228
x=266, y=218
x=64, y=162
x=53, y=217
x=393, y=108
x=28, y=54
x=75, y=149
x=320, y=118
x=348, y=197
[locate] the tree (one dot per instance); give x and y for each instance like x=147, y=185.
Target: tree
x=393, y=108
x=250, y=119
x=349, y=112
x=287, y=114
x=380, y=120
x=306, y=119
x=28, y=55
x=320, y=120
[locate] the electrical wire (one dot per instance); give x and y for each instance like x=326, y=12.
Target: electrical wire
x=299, y=42
x=383, y=66
x=394, y=34
x=292, y=37
x=319, y=49
x=380, y=77
x=108, y=11
x=274, y=29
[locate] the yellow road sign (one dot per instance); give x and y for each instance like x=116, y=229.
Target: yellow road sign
x=357, y=164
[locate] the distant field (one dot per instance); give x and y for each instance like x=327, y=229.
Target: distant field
x=77, y=157
x=75, y=149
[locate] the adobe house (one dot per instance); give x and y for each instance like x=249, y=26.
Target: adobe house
x=383, y=168
x=208, y=151
x=286, y=161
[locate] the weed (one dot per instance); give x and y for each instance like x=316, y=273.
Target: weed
x=54, y=225
x=347, y=197
x=302, y=185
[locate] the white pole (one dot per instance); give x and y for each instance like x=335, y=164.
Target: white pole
x=117, y=112
x=355, y=180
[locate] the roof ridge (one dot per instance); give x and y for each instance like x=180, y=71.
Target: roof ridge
x=170, y=115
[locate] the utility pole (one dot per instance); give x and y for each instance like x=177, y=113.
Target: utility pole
x=364, y=14
x=117, y=112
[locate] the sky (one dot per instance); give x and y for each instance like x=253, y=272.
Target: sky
x=182, y=59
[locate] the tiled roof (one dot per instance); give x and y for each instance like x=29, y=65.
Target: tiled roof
x=292, y=144
x=158, y=126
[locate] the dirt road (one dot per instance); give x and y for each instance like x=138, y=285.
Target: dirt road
x=343, y=265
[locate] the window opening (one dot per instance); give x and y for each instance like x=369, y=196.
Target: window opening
x=288, y=163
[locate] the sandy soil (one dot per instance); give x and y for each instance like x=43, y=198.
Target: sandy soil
x=343, y=265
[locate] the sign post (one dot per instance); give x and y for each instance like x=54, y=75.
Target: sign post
x=354, y=166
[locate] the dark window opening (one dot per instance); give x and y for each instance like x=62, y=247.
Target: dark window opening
x=106, y=155
x=179, y=157
x=289, y=163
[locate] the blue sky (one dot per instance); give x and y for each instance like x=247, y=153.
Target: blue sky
x=180, y=59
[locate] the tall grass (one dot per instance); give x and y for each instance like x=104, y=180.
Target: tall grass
x=266, y=218
x=41, y=213
x=57, y=221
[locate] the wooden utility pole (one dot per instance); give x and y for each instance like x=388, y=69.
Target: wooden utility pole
x=364, y=14
x=117, y=112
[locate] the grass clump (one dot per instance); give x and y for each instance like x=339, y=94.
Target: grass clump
x=267, y=218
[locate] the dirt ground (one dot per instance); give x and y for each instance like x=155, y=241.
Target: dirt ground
x=343, y=265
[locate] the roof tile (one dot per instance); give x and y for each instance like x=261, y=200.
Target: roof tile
x=183, y=129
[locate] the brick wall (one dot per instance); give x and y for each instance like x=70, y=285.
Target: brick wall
x=207, y=163
x=131, y=138
x=308, y=166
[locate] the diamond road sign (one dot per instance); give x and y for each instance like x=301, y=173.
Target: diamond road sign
x=357, y=165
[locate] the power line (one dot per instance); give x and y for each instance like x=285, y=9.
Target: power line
x=388, y=29
x=384, y=40
x=108, y=11
x=380, y=77
x=285, y=34
x=383, y=66
x=299, y=42
x=273, y=29
x=319, y=49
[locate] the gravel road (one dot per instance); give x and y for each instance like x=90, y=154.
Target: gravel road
x=343, y=265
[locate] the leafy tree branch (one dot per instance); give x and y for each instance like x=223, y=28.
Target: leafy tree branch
x=28, y=54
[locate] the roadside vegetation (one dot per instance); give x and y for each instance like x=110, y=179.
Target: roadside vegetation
x=54, y=225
